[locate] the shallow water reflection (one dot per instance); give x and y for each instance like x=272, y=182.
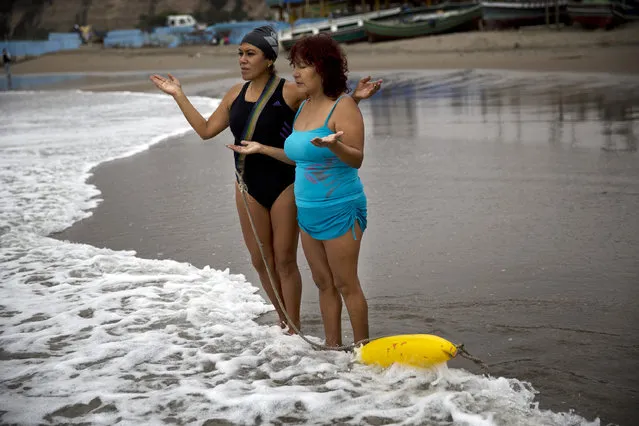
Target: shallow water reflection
x=508, y=111
x=502, y=213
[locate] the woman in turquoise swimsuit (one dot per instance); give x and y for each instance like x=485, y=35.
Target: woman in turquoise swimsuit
x=327, y=147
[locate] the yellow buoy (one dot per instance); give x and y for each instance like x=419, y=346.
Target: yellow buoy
x=416, y=350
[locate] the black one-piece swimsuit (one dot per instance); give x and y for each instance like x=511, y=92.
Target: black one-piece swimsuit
x=265, y=177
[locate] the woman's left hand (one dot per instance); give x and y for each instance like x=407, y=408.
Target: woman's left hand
x=366, y=88
x=328, y=141
x=247, y=147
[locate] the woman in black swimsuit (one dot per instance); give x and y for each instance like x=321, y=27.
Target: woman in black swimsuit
x=269, y=181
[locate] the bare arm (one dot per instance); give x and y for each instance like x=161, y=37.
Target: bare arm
x=217, y=122
x=277, y=153
x=251, y=147
x=206, y=129
x=348, y=141
x=364, y=90
x=292, y=95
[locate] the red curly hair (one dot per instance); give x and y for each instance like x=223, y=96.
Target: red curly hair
x=326, y=55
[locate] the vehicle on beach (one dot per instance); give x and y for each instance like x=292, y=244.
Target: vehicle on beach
x=191, y=31
x=183, y=21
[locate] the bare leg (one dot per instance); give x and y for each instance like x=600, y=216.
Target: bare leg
x=329, y=298
x=285, y=238
x=343, y=254
x=262, y=220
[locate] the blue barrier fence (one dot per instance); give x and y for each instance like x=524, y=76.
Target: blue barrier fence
x=166, y=37
x=55, y=43
x=161, y=36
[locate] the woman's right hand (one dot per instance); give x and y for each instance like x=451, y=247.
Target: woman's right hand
x=247, y=147
x=170, y=86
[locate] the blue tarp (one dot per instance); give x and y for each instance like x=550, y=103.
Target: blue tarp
x=303, y=21
x=138, y=38
x=124, y=38
x=161, y=36
x=172, y=30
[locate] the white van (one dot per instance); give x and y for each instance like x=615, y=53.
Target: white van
x=180, y=21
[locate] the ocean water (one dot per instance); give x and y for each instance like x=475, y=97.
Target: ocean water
x=35, y=81
x=27, y=82
x=97, y=336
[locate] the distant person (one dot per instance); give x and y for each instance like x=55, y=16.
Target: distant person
x=269, y=181
x=6, y=61
x=76, y=29
x=85, y=33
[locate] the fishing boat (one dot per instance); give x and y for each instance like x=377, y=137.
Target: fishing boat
x=446, y=19
x=515, y=14
x=592, y=14
x=347, y=29
x=626, y=10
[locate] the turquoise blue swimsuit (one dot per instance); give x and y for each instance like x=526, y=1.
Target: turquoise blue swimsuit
x=328, y=192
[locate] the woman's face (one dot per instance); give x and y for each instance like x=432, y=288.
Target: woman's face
x=253, y=63
x=307, y=78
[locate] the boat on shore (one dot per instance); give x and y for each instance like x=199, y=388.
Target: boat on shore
x=606, y=14
x=441, y=19
x=346, y=29
x=515, y=14
x=592, y=14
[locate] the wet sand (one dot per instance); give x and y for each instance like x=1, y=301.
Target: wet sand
x=502, y=215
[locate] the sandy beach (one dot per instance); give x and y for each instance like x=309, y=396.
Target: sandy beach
x=502, y=241
x=532, y=49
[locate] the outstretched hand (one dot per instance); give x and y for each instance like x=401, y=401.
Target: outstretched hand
x=327, y=141
x=170, y=86
x=247, y=147
x=367, y=88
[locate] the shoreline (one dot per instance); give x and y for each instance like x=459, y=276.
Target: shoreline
x=121, y=72
x=535, y=49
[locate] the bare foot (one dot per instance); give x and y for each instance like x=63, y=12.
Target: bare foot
x=333, y=346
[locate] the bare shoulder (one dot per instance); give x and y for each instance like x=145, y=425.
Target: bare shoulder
x=347, y=101
x=290, y=86
x=230, y=97
x=292, y=95
x=347, y=105
x=233, y=92
x=346, y=114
